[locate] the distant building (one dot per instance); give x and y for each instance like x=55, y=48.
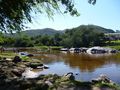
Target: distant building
x=112, y=36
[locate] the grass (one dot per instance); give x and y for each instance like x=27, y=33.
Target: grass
x=8, y=54
x=115, y=44
x=47, y=47
x=114, y=47
x=113, y=86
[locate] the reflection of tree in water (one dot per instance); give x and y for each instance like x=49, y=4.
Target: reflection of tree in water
x=49, y=58
x=89, y=63
x=82, y=61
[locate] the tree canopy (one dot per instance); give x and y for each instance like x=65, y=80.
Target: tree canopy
x=13, y=13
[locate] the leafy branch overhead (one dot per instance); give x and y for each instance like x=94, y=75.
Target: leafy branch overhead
x=13, y=13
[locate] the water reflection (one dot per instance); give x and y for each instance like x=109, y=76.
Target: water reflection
x=88, y=66
x=88, y=63
x=84, y=62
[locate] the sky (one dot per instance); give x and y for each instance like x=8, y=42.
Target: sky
x=104, y=13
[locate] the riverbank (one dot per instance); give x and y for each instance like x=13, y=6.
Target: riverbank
x=12, y=70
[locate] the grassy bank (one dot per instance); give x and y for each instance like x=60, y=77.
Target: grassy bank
x=115, y=44
x=48, y=47
x=7, y=54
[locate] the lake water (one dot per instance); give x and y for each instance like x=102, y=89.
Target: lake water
x=85, y=66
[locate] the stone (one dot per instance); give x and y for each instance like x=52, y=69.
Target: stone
x=40, y=67
x=8, y=59
x=34, y=65
x=102, y=78
x=76, y=73
x=17, y=72
x=69, y=76
x=4, y=58
x=16, y=59
x=48, y=83
x=46, y=67
x=30, y=55
x=26, y=84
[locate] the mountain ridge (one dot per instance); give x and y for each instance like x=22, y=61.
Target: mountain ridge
x=50, y=31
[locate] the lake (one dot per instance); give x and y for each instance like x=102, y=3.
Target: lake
x=85, y=67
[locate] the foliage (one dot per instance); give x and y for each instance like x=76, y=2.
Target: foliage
x=23, y=41
x=14, y=13
x=37, y=32
x=83, y=36
x=112, y=86
x=113, y=44
x=25, y=58
x=1, y=38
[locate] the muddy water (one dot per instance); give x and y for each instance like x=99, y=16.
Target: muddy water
x=84, y=66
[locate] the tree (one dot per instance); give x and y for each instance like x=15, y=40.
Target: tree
x=45, y=40
x=23, y=41
x=1, y=38
x=13, y=13
x=9, y=41
x=57, y=39
x=84, y=36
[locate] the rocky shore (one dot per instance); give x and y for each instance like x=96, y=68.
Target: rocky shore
x=12, y=77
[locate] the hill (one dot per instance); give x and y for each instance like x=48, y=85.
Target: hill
x=46, y=31
x=94, y=27
x=49, y=31
x=37, y=32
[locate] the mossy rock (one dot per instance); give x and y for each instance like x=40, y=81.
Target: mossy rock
x=35, y=65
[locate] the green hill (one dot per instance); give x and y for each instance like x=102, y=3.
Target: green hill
x=46, y=31
x=37, y=32
x=93, y=27
x=49, y=31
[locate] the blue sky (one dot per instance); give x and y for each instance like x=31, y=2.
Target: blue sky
x=105, y=13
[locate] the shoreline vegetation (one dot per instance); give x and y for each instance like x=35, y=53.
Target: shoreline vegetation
x=12, y=68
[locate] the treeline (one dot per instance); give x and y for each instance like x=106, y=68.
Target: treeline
x=83, y=36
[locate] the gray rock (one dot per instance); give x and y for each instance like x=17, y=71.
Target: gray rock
x=18, y=72
x=48, y=83
x=102, y=78
x=46, y=67
x=69, y=76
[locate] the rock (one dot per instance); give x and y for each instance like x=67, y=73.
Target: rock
x=67, y=88
x=69, y=76
x=29, y=74
x=22, y=66
x=39, y=82
x=102, y=78
x=34, y=65
x=8, y=59
x=30, y=55
x=76, y=73
x=17, y=72
x=48, y=83
x=16, y=59
x=4, y=58
x=46, y=67
x=26, y=84
x=40, y=67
